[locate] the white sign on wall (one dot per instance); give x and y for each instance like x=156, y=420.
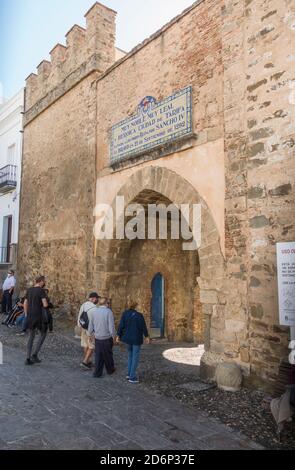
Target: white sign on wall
x=286, y=282
x=155, y=124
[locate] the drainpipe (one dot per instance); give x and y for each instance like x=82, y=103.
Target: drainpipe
x=20, y=170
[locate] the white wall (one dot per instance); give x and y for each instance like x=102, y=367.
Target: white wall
x=10, y=134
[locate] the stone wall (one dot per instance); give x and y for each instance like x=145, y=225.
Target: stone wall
x=259, y=130
x=147, y=258
x=86, y=50
x=131, y=266
x=270, y=121
x=185, y=52
x=58, y=186
x=238, y=56
x=58, y=192
x=243, y=92
x=191, y=303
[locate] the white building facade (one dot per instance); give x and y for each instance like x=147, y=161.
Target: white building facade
x=11, y=114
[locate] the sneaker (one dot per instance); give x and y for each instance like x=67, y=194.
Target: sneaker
x=85, y=366
x=20, y=334
x=36, y=359
x=127, y=377
x=29, y=362
x=133, y=381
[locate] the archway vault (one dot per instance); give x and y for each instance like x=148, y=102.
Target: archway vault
x=111, y=268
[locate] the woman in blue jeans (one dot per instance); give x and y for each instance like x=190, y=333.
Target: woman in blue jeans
x=132, y=330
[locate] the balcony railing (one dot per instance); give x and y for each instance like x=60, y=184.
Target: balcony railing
x=8, y=178
x=5, y=253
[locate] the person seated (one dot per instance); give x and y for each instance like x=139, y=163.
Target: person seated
x=21, y=323
x=17, y=311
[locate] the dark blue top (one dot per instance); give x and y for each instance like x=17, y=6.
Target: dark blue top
x=132, y=327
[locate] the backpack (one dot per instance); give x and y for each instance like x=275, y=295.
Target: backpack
x=84, y=320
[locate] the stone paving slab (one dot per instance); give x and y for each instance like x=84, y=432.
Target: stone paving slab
x=58, y=406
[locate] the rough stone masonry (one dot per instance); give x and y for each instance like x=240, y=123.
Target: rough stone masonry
x=238, y=56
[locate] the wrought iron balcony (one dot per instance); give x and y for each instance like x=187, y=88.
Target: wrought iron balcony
x=7, y=178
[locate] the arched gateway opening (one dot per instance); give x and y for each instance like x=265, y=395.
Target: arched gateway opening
x=166, y=281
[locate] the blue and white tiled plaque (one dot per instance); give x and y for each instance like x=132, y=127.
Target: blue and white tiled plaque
x=155, y=124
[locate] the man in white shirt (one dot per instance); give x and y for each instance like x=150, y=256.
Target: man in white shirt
x=8, y=288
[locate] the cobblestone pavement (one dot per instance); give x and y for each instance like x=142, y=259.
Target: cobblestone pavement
x=56, y=405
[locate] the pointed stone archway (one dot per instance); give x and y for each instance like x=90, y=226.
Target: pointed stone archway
x=200, y=294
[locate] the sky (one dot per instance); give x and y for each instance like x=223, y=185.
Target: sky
x=29, y=29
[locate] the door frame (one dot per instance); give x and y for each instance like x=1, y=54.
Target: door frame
x=7, y=237
x=163, y=322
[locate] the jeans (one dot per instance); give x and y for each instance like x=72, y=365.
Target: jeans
x=6, y=301
x=40, y=342
x=133, y=360
x=21, y=322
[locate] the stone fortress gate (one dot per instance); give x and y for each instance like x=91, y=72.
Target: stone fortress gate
x=229, y=147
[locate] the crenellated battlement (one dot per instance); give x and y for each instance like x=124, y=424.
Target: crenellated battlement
x=91, y=49
x=76, y=36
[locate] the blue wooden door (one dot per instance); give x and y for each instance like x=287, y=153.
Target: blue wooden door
x=157, y=320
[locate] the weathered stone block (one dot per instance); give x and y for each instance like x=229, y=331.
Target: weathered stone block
x=257, y=311
x=229, y=377
x=282, y=190
x=234, y=325
x=256, y=192
x=259, y=221
x=256, y=85
x=255, y=149
x=209, y=297
x=261, y=133
x=254, y=282
x=245, y=355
